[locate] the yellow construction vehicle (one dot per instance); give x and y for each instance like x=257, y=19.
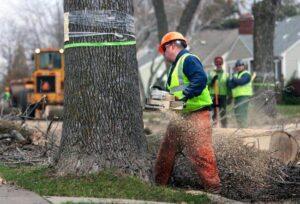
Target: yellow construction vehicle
x=45, y=86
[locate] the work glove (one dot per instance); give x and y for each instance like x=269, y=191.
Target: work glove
x=231, y=84
x=214, y=79
x=183, y=99
x=229, y=100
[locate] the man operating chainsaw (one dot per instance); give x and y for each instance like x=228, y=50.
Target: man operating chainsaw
x=191, y=132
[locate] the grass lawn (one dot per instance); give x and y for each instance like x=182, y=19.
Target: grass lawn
x=102, y=185
x=289, y=110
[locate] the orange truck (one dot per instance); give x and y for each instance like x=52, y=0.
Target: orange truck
x=46, y=83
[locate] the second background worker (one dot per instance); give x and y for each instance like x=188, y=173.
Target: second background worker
x=217, y=84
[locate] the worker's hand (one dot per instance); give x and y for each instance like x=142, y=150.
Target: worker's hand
x=234, y=80
x=231, y=84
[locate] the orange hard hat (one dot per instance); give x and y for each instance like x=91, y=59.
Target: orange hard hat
x=218, y=60
x=171, y=36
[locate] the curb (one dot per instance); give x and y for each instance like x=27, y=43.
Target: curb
x=59, y=200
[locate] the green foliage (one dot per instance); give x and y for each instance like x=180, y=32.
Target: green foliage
x=288, y=8
x=290, y=111
x=291, y=92
x=230, y=23
x=102, y=185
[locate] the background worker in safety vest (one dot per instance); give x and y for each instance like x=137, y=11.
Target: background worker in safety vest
x=192, y=131
x=5, y=100
x=6, y=95
x=241, y=86
x=217, y=85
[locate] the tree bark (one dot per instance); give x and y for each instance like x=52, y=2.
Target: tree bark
x=103, y=126
x=187, y=16
x=161, y=18
x=264, y=26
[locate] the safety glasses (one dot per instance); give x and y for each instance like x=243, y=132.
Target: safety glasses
x=166, y=46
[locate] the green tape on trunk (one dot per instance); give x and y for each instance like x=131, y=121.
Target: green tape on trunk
x=264, y=84
x=99, y=44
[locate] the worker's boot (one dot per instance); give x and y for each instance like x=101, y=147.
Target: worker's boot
x=215, y=190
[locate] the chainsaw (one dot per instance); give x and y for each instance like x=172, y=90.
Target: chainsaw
x=163, y=100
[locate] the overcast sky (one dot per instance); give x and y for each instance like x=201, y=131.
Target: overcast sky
x=8, y=7
x=11, y=8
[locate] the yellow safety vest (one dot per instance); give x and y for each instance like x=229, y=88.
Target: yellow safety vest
x=222, y=83
x=244, y=90
x=179, y=82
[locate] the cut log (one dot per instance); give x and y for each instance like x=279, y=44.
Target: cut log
x=284, y=147
x=15, y=130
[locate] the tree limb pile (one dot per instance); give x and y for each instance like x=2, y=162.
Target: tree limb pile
x=18, y=144
x=247, y=174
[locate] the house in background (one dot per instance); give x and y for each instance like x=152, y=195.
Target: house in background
x=209, y=43
x=286, y=47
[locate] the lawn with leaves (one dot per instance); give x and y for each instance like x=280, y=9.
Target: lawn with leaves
x=101, y=185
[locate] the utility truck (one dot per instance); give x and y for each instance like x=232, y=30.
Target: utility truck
x=45, y=88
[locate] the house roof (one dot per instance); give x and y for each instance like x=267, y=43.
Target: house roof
x=206, y=44
x=287, y=32
x=210, y=43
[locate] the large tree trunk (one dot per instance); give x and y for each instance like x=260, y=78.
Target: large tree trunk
x=264, y=26
x=103, y=126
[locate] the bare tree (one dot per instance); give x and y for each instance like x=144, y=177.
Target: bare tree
x=36, y=24
x=103, y=126
x=187, y=16
x=18, y=67
x=264, y=26
x=44, y=22
x=12, y=51
x=161, y=18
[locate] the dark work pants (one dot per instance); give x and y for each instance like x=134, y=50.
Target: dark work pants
x=222, y=110
x=241, y=104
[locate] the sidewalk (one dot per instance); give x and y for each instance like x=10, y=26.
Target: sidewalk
x=15, y=195
x=60, y=200
x=215, y=199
